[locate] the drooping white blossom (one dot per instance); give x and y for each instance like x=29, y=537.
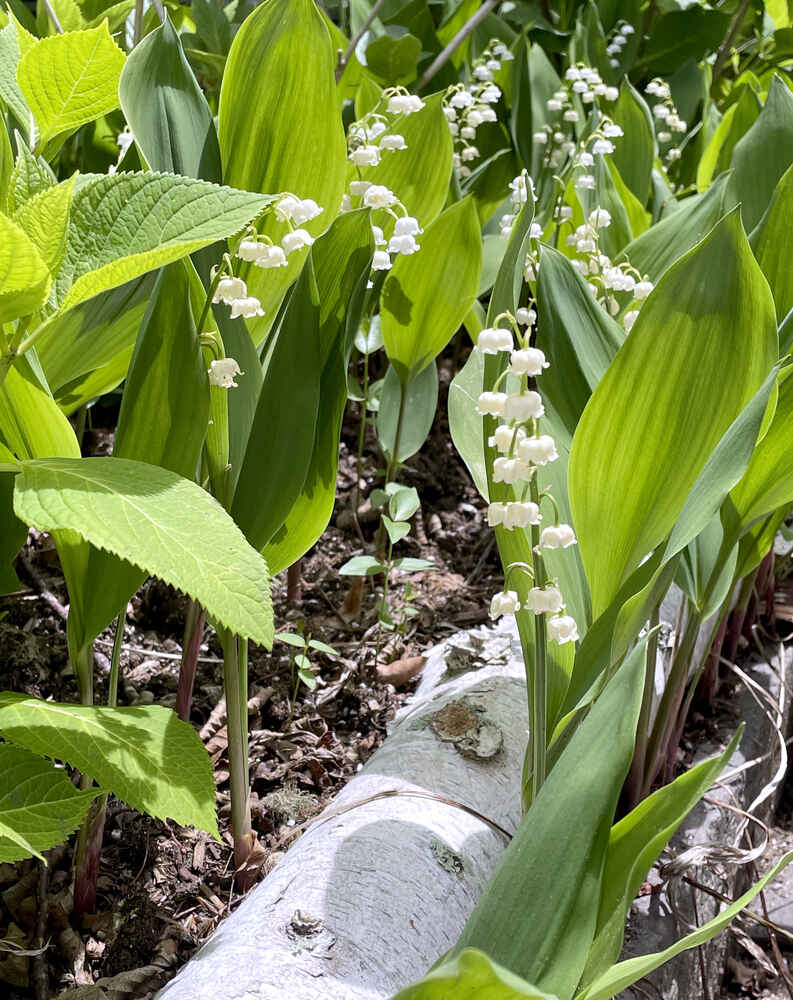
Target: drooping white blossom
x=544, y=600
x=403, y=244
x=562, y=628
x=491, y=340
x=379, y=196
x=392, y=142
x=404, y=104
x=381, y=261
x=222, y=373
x=504, y=603
x=527, y=361
x=558, y=536
x=539, y=450
x=246, y=307
x=230, y=290
x=296, y=240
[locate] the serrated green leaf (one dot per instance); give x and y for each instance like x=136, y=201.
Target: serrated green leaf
x=278, y=109
x=703, y=344
x=24, y=277
x=31, y=174
x=159, y=522
x=426, y=295
x=471, y=976
x=70, y=79
x=124, y=225
x=10, y=94
x=145, y=755
x=39, y=806
x=45, y=219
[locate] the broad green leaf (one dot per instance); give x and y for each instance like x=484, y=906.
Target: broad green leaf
x=623, y=974
x=419, y=175
x=403, y=503
x=279, y=125
x=158, y=521
x=737, y=121
x=24, y=276
x=767, y=483
x=14, y=533
x=634, y=845
x=773, y=232
x=31, y=424
x=471, y=976
x=86, y=352
x=426, y=295
x=763, y=154
x=341, y=262
x=559, y=850
x=145, y=756
x=163, y=421
x=45, y=218
x=124, y=225
x=394, y=58
x=635, y=151
x=212, y=24
x=758, y=542
x=166, y=109
x=656, y=250
x=6, y=167
x=702, y=346
x=578, y=337
x=682, y=35
x=70, y=79
x=39, y=806
x=362, y=566
x=396, y=530
x=281, y=440
x=618, y=234
x=418, y=411
x=534, y=80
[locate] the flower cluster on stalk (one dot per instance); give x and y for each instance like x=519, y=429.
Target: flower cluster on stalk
x=368, y=140
x=668, y=123
x=522, y=448
x=467, y=106
x=618, y=39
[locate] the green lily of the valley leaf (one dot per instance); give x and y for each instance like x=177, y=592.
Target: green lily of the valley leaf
x=45, y=219
x=124, y=225
x=737, y=121
x=560, y=849
x=159, y=522
x=772, y=233
x=471, y=976
x=704, y=342
x=342, y=258
x=70, y=79
x=635, y=151
x=24, y=276
x=166, y=108
x=280, y=128
x=145, y=755
x=763, y=154
x=421, y=402
x=623, y=974
x=39, y=806
x=426, y=295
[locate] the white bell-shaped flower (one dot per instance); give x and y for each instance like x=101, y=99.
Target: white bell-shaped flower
x=404, y=104
x=247, y=307
x=230, y=290
x=504, y=603
x=523, y=406
x=492, y=403
x=562, y=628
x=222, y=373
x=602, y=147
x=584, y=182
x=600, y=218
x=379, y=196
x=528, y=361
x=612, y=131
x=642, y=289
x=403, y=244
x=461, y=99
x=271, y=256
x=539, y=450
x=407, y=226
x=365, y=156
x=379, y=239
x=381, y=261
x=510, y=470
x=359, y=188
x=525, y=316
x=557, y=536
x=296, y=240
x=520, y=514
x=544, y=600
x=393, y=142
x=251, y=250
x=491, y=340
x=503, y=437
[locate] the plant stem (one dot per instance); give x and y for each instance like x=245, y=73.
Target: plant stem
x=115, y=659
x=443, y=57
x=726, y=45
x=88, y=850
x=235, y=681
x=346, y=55
x=538, y=702
x=393, y=463
x=361, y=438
x=191, y=644
x=633, y=783
x=53, y=16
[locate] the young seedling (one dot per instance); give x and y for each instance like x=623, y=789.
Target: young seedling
x=300, y=666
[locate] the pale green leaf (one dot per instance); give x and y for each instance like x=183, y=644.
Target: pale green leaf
x=10, y=94
x=45, y=218
x=426, y=295
x=703, y=344
x=31, y=174
x=24, y=277
x=158, y=521
x=39, y=806
x=70, y=79
x=737, y=120
x=417, y=412
x=126, y=224
x=772, y=233
x=145, y=755
x=635, y=150
x=471, y=976
x=280, y=128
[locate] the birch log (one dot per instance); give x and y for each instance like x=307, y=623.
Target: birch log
x=370, y=897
